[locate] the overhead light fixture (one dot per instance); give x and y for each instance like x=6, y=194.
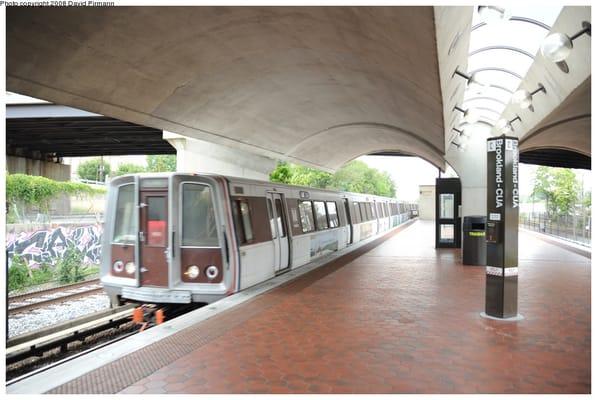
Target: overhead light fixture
x=492, y=15
x=505, y=126
x=471, y=115
x=557, y=46
x=460, y=146
x=473, y=82
x=465, y=130
x=524, y=99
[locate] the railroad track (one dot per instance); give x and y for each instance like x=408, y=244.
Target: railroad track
x=42, y=298
x=34, y=352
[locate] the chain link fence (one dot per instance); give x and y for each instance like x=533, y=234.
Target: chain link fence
x=575, y=228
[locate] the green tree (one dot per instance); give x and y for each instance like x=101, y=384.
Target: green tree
x=90, y=170
x=558, y=187
x=355, y=176
x=128, y=168
x=161, y=163
x=282, y=173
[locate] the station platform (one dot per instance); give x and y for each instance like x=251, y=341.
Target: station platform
x=396, y=317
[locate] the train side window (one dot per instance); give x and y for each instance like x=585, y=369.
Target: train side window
x=306, y=214
x=363, y=212
x=332, y=214
x=124, y=228
x=321, y=220
x=270, y=215
x=281, y=221
x=199, y=227
x=372, y=209
x=245, y=216
x=356, y=213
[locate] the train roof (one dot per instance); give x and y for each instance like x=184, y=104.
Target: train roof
x=236, y=179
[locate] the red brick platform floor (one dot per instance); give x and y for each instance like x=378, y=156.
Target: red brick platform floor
x=402, y=318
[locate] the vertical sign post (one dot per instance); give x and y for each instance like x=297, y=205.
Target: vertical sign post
x=501, y=287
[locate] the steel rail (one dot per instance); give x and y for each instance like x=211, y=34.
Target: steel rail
x=60, y=299
x=25, y=296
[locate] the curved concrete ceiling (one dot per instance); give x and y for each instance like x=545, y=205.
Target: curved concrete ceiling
x=566, y=127
x=561, y=117
x=286, y=82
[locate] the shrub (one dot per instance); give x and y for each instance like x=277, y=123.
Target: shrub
x=18, y=273
x=40, y=275
x=37, y=191
x=69, y=267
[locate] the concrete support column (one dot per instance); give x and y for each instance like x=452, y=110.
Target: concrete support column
x=193, y=155
x=471, y=167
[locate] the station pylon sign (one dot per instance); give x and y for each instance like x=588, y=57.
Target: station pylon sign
x=501, y=287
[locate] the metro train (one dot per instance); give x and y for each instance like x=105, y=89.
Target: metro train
x=182, y=237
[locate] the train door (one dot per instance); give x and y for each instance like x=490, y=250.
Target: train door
x=348, y=219
x=153, y=237
x=278, y=226
x=200, y=247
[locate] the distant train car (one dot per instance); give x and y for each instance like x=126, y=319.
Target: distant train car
x=181, y=238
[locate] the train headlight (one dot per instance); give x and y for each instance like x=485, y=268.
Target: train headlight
x=192, y=272
x=211, y=272
x=130, y=267
x=118, y=266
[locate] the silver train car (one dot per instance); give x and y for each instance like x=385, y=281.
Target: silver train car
x=182, y=238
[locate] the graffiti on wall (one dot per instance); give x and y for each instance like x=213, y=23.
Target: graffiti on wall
x=49, y=245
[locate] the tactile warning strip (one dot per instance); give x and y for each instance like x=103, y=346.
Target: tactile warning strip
x=118, y=375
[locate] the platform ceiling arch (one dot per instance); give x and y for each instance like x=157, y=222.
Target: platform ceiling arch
x=263, y=79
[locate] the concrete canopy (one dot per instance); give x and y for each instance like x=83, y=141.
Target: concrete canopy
x=316, y=85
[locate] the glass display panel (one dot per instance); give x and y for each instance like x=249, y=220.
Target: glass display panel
x=446, y=205
x=446, y=233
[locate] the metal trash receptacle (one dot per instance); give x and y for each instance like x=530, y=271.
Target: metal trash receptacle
x=474, y=248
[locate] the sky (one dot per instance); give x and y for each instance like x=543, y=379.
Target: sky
x=401, y=170
x=410, y=172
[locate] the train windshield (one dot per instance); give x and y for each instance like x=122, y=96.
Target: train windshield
x=124, y=227
x=199, y=228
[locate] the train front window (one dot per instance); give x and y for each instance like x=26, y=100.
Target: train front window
x=199, y=228
x=124, y=226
